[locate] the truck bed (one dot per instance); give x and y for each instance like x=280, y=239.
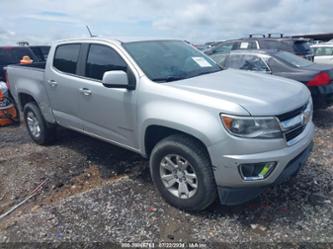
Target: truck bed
x=25, y=78
x=40, y=65
x=25, y=73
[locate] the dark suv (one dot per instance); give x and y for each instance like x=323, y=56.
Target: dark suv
x=41, y=52
x=13, y=55
x=298, y=46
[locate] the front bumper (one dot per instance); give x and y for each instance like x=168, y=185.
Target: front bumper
x=234, y=196
x=231, y=186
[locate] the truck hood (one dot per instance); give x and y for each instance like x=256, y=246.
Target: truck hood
x=259, y=94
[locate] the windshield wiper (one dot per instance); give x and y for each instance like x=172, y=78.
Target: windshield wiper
x=169, y=78
x=182, y=77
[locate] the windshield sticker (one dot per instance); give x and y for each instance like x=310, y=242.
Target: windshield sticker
x=201, y=61
x=244, y=45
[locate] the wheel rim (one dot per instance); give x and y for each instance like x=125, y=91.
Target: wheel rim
x=178, y=176
x=33, y=124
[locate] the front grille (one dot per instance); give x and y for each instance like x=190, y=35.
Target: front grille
x=294, y=133
x=291, y=114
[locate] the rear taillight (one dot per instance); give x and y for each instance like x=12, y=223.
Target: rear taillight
x=320, y=79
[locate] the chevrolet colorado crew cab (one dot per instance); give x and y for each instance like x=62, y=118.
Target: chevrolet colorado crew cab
x=207, y=132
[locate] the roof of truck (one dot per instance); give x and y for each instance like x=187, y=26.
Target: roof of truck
x=118, y=41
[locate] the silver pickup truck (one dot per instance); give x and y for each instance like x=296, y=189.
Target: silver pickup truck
x=207, y=132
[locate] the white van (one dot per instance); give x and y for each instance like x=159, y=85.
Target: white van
x=323, y=53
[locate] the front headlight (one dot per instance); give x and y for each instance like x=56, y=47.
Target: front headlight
x=252, y=127
x=308, y=112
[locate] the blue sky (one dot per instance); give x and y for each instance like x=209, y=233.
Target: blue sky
x=43, y=21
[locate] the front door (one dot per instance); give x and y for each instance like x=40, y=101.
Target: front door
x=106, y=112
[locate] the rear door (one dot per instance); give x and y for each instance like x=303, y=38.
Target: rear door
x=105, y=112
x=63, y=83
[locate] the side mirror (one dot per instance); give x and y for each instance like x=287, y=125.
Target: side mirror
x=116, y=79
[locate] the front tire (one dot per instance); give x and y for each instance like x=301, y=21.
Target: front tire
x=182, y=172
x=40, y=131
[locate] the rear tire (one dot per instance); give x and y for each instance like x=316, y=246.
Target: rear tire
x=182, y=172
x=40, y=131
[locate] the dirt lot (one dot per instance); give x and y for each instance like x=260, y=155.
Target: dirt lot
x=98, y=192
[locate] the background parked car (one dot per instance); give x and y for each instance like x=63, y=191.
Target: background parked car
x=13, y=55
x=41, y=52
x=323, y=53
x=206, y=46
x=298, y=46
x=319, y=78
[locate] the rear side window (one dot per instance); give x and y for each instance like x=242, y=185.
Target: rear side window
x=292, y=59
x=66, y=58
x=280, y=45
x=234, y=61
x=302, y=47
x=102, y=59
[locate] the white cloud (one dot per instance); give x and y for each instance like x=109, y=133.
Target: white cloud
x=193, y=20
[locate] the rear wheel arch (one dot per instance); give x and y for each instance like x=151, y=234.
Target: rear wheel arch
x=39, y=129
x=25, y=98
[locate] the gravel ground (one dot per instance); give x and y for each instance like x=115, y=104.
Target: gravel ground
x=99, y=192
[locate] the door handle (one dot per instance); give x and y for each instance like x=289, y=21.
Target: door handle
x=52, y=83
x=85, y=91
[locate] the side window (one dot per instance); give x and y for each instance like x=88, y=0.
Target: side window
x=234, y=61
x=323, y=51
x=66, y=58
x=253, y=45
x=254, y=63
x=102, y=59
x=246, y=62
x=223, y=49
x=235, y=45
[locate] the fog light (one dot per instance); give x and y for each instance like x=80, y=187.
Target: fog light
x=256, y=171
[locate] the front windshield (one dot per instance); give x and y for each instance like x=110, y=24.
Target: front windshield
x=164, y=61
x=292, y=59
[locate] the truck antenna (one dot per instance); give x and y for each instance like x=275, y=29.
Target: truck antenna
x=91, y=35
